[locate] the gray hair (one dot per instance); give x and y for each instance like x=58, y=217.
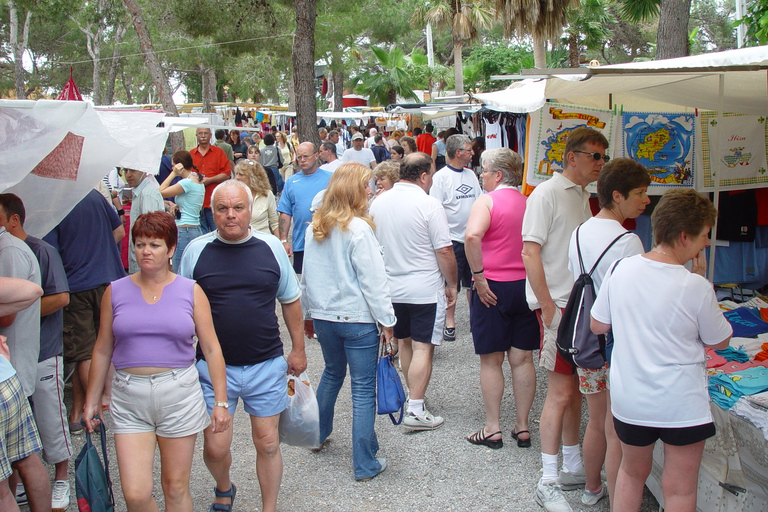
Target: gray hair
x=455, y=143
x=230, y=184
x=505, y=160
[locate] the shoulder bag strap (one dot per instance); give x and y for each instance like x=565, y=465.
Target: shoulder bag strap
x=606, y=250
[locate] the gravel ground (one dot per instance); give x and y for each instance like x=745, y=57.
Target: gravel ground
x=427, y=471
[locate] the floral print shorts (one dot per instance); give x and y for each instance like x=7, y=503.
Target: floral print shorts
x=593, y=381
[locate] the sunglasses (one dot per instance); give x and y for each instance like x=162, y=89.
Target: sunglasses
x=597, y=155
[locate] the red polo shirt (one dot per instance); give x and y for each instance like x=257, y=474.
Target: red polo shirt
x=424, y=143
x=214, y=162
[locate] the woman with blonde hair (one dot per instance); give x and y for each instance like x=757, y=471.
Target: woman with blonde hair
x=345, y=292
x=289, y=155
x=264, y=212
x=387, y=173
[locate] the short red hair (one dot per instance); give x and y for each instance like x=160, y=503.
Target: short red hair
x=156, y=225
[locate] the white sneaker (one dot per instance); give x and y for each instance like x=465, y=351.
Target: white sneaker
x=590, y=498
x=21, y=494
x=424, y=421
x=551, y=497
x=571, y=481
x=60, y=496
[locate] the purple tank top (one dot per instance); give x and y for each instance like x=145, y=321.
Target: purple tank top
x=159, y=334
x=503, y=242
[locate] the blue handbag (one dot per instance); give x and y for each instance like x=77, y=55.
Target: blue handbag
x=390, y=396
x=93, y=486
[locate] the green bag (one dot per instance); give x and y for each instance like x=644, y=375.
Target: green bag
x=93, y=486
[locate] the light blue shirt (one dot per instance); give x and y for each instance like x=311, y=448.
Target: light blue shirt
x=190, y=202
x=6, y=369
x=296, y=201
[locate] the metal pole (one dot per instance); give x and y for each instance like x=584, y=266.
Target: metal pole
x=716, y=178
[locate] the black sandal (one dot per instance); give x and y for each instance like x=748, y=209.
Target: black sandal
x=522, y=443
x=231, y=493
x=480, y=438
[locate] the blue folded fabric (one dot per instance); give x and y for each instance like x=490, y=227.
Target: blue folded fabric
x=732, y=354
x=745, y=323
x=725, y=389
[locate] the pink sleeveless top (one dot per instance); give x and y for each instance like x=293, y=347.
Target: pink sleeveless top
x=503, y=243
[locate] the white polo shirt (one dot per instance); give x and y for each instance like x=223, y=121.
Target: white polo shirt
x=554, y=209
x=411, y=226
x=364, y=156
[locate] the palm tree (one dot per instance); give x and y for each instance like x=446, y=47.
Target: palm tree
x=464, y=18
x=389, y=79
x=672, y=35
x=587, y=26
x=541, y=19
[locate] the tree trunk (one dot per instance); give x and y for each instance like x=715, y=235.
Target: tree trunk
x=109, y=95
x=539, y=52
x=672, y=36
x=127, y=81
x=291, y=92
x=155, y=69
x=208, y=77
x=304, y=70
x=573, y=50
x=19, y=45
x=458, y=68
x=338, y=86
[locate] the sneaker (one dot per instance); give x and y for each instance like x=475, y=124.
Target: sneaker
x=449, y=334
x=590, y=498
x=571, y=481
x=21, y=494
x=60, y=496
x=424, y=421
x=551, y=498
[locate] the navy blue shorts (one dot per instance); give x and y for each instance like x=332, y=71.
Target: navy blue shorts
x=510, y=323
x=638, y=435
x=420, y=322
x=462, y=266
x=298, y=261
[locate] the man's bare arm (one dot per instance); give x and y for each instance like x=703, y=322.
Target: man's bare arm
x=534, y=270
x=52, y=303
x=447, y=263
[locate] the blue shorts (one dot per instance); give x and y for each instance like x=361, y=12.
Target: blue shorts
x=263, y=387
x=463, y=272
x=510, y=323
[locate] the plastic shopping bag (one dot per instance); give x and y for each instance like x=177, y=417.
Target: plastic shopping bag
x=300, y=421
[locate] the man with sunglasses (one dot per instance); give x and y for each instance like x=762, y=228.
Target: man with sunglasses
x=553, y=211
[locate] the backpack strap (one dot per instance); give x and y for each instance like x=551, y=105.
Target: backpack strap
x=582, y=270
x=606, y=250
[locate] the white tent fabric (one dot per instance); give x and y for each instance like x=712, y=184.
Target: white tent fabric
x=54, y=152
x=672, y=85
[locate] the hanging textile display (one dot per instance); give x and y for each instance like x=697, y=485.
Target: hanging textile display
x=664, y=143
x=735, y=147
x=547, y=132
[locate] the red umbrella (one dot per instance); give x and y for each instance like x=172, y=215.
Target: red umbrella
x=70, y=91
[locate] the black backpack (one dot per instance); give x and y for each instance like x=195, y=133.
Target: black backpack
x=576, y=342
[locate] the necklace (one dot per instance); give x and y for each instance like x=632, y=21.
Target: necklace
x=665, y=254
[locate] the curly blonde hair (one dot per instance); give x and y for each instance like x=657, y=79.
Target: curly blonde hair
x=388, y=168
x=344, y=199
x=257, y=177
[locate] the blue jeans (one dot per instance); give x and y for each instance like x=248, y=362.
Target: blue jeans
x=206, y=220
x=186, y=235
x=356, y=345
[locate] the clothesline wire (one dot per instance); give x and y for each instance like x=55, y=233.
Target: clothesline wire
x=204, y=45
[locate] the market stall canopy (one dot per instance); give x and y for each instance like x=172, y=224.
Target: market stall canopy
x=680, y=85
x=53, y=152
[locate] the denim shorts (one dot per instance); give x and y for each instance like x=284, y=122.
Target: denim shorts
x=263, y=387
x=169, y=403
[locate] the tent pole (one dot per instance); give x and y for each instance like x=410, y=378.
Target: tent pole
x=716, y=177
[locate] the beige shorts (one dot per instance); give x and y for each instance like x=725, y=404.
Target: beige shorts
x=549, y=358
x=170, y=404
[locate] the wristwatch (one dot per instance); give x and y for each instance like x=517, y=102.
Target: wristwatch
x=221, y=404
x=283, y=241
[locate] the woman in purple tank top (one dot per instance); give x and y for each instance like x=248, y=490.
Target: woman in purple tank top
x=149, y=324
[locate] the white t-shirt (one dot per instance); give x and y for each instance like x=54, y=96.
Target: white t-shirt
x=331, y=166
x=457, y=192
x=594, y=236
x=662, y=315
x=364, y=156
x=554, y=209
x=411, y=226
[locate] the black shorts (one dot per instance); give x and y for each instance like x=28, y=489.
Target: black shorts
x=637, y=435
x=416, y=321
x=510, y=323
x=298, y=261
x=462, y=266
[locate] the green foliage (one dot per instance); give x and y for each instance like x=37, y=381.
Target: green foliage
x=712, y=21
x=388, y=79
x=495, y=58
x=756, y=21
x=639, y=10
